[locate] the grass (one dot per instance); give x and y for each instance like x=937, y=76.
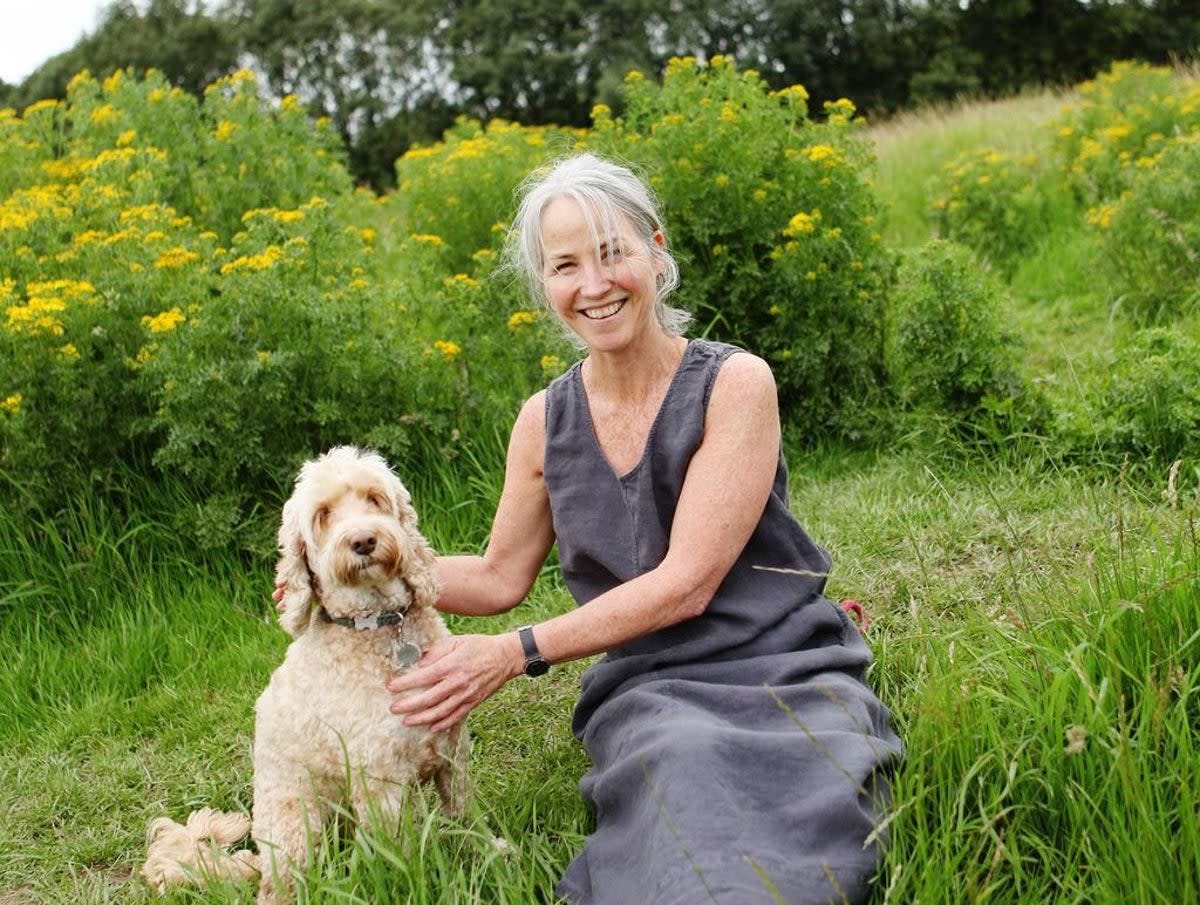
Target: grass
x=1035, y=627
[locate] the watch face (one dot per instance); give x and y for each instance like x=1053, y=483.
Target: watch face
x=537, y=667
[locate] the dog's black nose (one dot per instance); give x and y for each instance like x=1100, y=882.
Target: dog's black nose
x=363, y=543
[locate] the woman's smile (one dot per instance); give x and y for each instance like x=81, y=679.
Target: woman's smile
x=603, y=312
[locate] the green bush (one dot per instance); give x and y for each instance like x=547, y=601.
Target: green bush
x=772, y=218
x=949, y=351
x=1150, y=408
x=461, y=187
x=995, y=203
x=149, y=318
x=1149, y=239
x=1125, y=116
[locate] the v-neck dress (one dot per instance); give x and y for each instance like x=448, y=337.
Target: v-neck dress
x=737, y=757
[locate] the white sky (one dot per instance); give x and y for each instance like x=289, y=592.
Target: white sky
x=32, y=31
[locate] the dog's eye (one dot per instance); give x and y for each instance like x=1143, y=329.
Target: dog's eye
x=321, y=517
x=376, y=500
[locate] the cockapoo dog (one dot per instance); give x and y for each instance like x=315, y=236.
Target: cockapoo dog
x=359, y=601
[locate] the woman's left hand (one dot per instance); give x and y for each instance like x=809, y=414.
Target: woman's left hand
x=453, y=676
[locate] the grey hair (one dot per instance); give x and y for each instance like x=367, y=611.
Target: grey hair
x=605, y=192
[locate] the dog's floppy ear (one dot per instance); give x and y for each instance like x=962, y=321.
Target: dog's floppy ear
x=292, y=570
x=422, y=575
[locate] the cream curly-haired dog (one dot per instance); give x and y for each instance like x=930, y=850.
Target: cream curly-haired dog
x=359, y=601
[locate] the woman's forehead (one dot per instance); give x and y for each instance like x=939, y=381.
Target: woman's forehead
x=566, y=219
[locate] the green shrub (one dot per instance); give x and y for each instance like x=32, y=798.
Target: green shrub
x=459, y=188
x=1150, y=408
x=1126, y=115
x=949, y=351
x=772, y=218
x=995, y=203
x=122, y=238
x=1149, y=239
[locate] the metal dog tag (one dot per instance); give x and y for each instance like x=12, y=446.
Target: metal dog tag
x=404, y=654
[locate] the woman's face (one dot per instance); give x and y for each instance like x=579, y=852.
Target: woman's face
x=604, y=297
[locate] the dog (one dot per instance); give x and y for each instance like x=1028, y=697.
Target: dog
x=360, y=588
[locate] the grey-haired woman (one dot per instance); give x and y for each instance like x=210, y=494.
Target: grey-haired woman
x=737, y=754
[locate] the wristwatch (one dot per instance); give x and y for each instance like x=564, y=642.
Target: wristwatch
x=535, y=663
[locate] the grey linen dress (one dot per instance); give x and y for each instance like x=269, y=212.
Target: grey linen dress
x=738, y=757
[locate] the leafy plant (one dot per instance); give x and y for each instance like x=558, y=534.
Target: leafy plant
x=949, y=350
x=772, y=218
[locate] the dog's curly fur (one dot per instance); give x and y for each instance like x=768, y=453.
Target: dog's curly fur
x=324, y=735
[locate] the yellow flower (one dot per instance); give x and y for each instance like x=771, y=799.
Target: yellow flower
x=175, y=257
x=126, y=138
x=461, y=279
x=519, y=319
x=367, y=234
x=267, y=258
x=165, y=321
x=797, y=94
x=11, y=404
x=69, y=352
x=633, y=76
x=428, y=239
x=802, y=223
x=112, y=83
x=105, y=113
x=551, y=364
x=38, y=315
x=37, y=106
x=721, y=180
x=601, y=111
x=224, y=130
x=449, y=350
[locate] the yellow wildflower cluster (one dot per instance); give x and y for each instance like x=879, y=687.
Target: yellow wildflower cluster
x=263, y=260
x=11, y=403
x=165, y=321
x=449, y=350
x=178, y=256
x=803, y=224
x=519, y=319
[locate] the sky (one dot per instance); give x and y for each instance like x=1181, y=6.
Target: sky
x=35, y=30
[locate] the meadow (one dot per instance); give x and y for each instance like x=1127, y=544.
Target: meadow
x=1010, y=488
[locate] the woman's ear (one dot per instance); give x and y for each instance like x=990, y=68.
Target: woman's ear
x=292, y=571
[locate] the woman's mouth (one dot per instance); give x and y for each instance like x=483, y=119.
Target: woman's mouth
x=599, y=314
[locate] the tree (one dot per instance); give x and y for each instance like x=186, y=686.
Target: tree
x=367, y=65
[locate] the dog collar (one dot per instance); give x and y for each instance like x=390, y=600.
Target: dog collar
x=361, y=623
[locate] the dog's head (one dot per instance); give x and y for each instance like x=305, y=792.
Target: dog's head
x=349, y=527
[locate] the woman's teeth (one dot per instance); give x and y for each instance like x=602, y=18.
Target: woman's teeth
x=597, y=314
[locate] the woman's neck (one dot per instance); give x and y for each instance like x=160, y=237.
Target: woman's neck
x=635, y=371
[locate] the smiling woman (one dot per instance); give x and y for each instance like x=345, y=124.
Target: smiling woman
x=655, y=466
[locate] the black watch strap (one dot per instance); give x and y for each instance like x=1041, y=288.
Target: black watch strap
x=535, y=663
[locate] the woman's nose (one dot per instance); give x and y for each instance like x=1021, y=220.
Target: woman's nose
x=596, y=280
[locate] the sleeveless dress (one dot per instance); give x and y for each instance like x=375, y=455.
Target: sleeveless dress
x=737, y=757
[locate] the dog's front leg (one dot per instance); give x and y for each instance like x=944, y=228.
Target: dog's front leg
x=287, y=816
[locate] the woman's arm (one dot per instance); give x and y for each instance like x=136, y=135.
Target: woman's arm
x=726, y=489
x=522, y=531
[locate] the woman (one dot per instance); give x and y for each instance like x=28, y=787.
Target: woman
x=736, y=750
